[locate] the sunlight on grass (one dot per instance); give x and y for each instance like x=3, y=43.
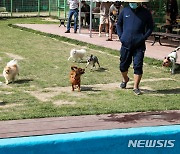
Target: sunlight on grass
x=44, y=66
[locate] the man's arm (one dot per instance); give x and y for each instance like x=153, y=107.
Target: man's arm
x=148, y=30
x=149, y=27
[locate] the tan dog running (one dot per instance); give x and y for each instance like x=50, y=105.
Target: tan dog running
x=10, y=71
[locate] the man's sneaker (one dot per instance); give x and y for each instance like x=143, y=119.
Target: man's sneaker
x=99, y=35
x=123, y=84
x=107, y=35
x=68, y=31
x=137, y=91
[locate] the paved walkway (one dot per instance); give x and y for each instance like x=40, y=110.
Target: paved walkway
x=157, y=51
x=30, y=127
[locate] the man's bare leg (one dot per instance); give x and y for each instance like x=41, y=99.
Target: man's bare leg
x=137, y=79
x=125, y=80
x=107, y=29
x=100, y=29
x=110, y=31
x=125, y=76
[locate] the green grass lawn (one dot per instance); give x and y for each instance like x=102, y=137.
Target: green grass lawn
x=43, y=88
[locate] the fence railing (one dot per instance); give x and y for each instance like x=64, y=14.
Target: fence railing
x=23, y=8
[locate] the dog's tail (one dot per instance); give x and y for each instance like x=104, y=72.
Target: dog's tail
x=178, y=48
x=12, y=63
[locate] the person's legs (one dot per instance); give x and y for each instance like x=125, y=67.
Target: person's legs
x=102, y=22
x=82, y=19
x=107, y=26
x=110, y=30
x=88, y=19
x=100, y=29
x=138, y=57
x=125, y=79
x=69, y=20
x=137, y=79
x=125, y=62
x=125, y=76
x=107, y=29
x=75, y=19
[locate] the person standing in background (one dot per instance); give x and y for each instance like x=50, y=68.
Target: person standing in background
x=104, y=17
x=73, y=10
x=86, y=9
x=134, y=26
x=114, y=11
x=172, y=10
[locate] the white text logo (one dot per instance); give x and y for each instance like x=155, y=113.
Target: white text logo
x=151, y=143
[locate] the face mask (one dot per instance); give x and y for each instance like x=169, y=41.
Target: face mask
x=133, y=5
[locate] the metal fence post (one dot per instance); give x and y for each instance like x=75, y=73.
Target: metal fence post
x=58, y=8
x=4, y=4
x=90, y=26
x=79, y=16
x=49, y=7
x=11, y=8
x=22, y=5
x=38, y=7
x=65, y=8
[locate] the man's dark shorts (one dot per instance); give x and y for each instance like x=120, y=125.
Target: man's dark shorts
x=137, y=55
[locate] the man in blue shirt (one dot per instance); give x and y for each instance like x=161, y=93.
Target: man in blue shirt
x=134, y=26
x=73, y=10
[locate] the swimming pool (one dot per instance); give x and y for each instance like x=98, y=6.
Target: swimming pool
x=161, y=139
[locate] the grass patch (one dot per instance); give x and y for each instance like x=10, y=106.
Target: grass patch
x=44, y=67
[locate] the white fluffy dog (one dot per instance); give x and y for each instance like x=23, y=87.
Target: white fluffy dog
x=77, y=54
x=10, y=71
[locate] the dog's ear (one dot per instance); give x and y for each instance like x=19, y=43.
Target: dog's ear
x=91, y=56
x=168, y=58
x=81, y=71
x=73, y=51
x=73, y=68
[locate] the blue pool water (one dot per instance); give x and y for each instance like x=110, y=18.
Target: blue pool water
x=145, y=140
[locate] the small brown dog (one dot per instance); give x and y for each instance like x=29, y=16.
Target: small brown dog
x=75, y=79
x=10, y=71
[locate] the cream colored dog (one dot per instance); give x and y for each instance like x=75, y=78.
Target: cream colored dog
x=10, y=71
x=77, y=54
